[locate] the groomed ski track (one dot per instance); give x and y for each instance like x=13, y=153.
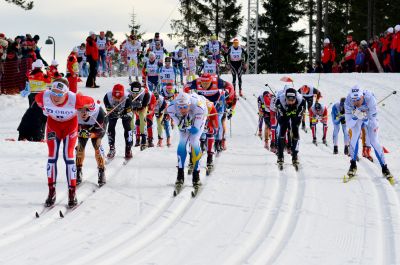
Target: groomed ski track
x=248, y=212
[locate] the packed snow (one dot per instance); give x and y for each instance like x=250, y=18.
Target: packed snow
x=248, y=211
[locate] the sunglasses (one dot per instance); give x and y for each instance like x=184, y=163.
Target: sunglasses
x=183, y=107
x=355, y=99
x=57, y=94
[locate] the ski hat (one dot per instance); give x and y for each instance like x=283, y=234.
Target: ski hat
x=363, y=43
x=290, y=93
x=356, y=93
x=183, y=99
x=38, y=64
x=54, y=62
x=152, y=55
x=397, y=28
x=118, y=91
x=2, y=36
x=390, y=30
x=327, y=41
x=91, y=33
x=136, y=87
x=75, y=50
x=206, y=77
x=318, y=106
x=60, y=84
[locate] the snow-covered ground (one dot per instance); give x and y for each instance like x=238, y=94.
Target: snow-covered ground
x=247, y=213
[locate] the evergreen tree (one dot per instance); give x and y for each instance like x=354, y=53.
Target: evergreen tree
x=280, y=50
x=110, y=36
x=22, y=3
x=193, y=27
x=135, y=26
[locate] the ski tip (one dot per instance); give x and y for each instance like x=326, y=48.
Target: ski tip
x=61, y=214
x=37, y=215
x=175, y=193
x=193, y=194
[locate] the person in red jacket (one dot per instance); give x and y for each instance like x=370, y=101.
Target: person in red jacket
x=60, y=106
x=52, y=72
x=386, y=51
x=92, y=56
x=73, y=70
x=328, y=56
x=350, y=53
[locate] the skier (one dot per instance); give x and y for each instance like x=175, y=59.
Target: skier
x=214, y=46
x=308, y=92
x=268, y=116
x=143, y=101
x=150, y=72
x=160, y=52
x=112, y=50
x=191, y=56
x=159, y=109
x=338, y=120
x=209, y=66
x=217, y=91
x=208, y=136
x=169, y=93
x=60, y=106
x=167, y=73
x=318, y=113
x=152, y=42
x=177, y=62
x=92, y=125
x=290, y=106
x=189, y=112
x=237, y=57
x=73, y=70
x=132, y=48
x=361, y=109
x=119, y=106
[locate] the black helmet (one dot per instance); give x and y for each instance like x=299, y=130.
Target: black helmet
x=290, y=94
x=318, y=106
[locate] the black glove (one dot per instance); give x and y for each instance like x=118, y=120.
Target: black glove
x=84, y=133
x=136, y=105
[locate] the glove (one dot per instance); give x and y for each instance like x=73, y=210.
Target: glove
x=26, y=91
x=230, y=113
x=136, y=104
x=192, y=129
x=358, y=114
x=84, y=134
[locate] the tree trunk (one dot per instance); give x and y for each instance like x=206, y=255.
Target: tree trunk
x=318, y=33
x=326, y=14
x=369, y=20
x=217, y=19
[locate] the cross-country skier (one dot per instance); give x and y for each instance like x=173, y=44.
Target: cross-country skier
x=119, y=106
x=159, y=111
x=318, y=113
x=215, y=47
x=308, y=92
x=92, y=125
x=60, y=106
x=191, y=55
x=209, y=66
x=167, y=73
x=160, y=52
x=150, y=72
x=189, y=112
x=290, y=106
x=208, y=137
x=237, y=58
x=152, y=42
x=177, y=62
x=267, y=116
x=361, y=109
x=338, y=120
x=133, y=48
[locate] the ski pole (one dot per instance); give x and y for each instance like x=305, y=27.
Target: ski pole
x=392, y=93
x=111, y=111
x=230, y=126
x=272, y=90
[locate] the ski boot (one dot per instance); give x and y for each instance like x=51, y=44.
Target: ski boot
x=280, y=163
x=324, y=141
x=159, y=143
x=210, y=163
x=143, y=142
x=266, y=144
x=128, y=152
x=137, y=142
x=223, y=144
x=196, y=183
x=150, y=142
x=51, y=198
x=314, y=140
x=168, y=141
x=72, y=200
x=273, y=147
x=346, y=150
x=78, y=175
x=203, y=145
x=111, y=153
x=352, y=170
x=386, y=173
x=102, y=177
x=179, y=181
x=259, y=133
x=217, y=146
x=295, y=162
x=240, y=93
x=335, y=150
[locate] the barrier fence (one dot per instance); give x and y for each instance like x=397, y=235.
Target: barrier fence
x=13, y=75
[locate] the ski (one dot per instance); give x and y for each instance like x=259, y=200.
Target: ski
x=348, y=177
x=209, y=169
x=391, y=179
x=44, y=210
x=178, y=189
x=126, y=161
x=67, y=209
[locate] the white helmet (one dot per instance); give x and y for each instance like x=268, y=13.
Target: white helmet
x=397, y=28
x=390, y=30
x=54, y=62
x=75, y=50
x=152, y=55
x=183, y=99
x=363, y=43
x=38, y=64
x=327, y=41
x=91, y=33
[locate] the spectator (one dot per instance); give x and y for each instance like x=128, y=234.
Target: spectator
x=38, y=81
x=318, y=68
x=101, y=44
x=396, y=48
x=73, y=70
x=53, y=71
x=92, y=55
x=386, y=51
x=350, y=53
x=83, y=71
x=328, y=56
x=363, y=59
x=36, y=39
